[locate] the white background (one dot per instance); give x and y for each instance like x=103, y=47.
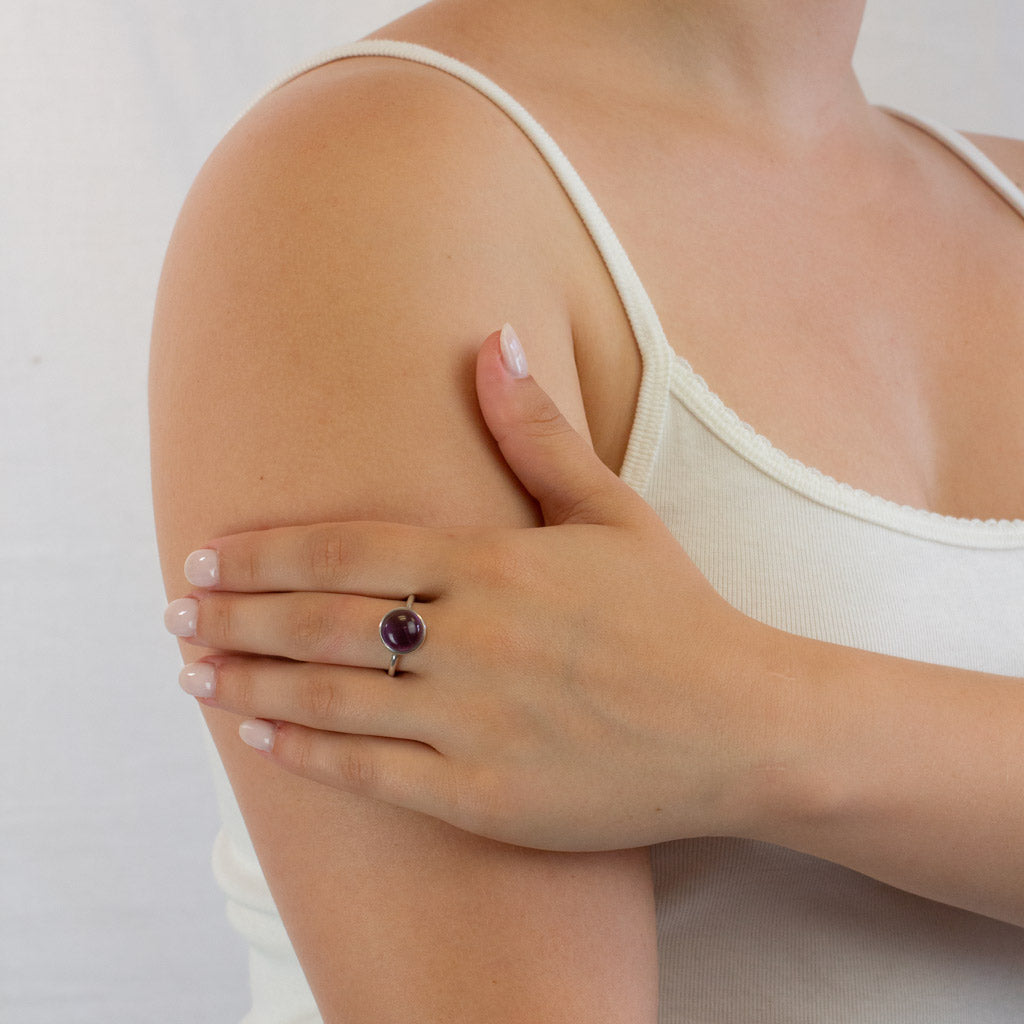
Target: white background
x=108, y=912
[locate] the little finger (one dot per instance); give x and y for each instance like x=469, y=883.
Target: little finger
x=400, y=772
x=327, y=697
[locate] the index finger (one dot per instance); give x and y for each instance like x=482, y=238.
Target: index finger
x=367, y=558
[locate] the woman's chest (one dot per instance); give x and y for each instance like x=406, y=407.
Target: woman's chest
x=880, y=342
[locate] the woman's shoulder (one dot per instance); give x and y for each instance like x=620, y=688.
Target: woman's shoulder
x=379, y=140
x=372, y=196
x=359, y=107
x=365, y=216
x=391, y=169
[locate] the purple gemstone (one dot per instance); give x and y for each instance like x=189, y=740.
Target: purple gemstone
x=402, y=631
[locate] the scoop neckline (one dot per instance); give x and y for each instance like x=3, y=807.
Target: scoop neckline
x=695, y=394
x=726, y=424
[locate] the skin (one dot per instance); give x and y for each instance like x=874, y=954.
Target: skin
x=363, y=179
x=506, y=727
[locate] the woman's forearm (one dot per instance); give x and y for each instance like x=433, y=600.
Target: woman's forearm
x=909, y=772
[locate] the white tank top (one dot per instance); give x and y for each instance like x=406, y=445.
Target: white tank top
x=750, y=933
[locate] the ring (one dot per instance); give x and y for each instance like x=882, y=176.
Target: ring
x=402, y=631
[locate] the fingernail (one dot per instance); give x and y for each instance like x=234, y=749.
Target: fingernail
x=202, y=568
x=181, y=616
x=258, y=734
x=198, y=679
x=512, y=355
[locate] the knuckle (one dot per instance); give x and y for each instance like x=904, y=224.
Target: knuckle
x=320, y=699
x=588, y=504
x=537, y=419
x=295, y=750
x=358, y=767
x=327, y=558
x=311, y=628
x=236, y=685
x=539, y=416
x=499, y=566
x=241, y=563
x=544, y=420
x=250, y=567
x=217, y=621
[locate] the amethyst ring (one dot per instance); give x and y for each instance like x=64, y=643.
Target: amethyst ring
x=402, y=631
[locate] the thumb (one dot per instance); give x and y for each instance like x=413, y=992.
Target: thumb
x=552, y=461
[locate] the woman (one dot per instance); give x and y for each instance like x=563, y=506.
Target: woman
x=833, y=830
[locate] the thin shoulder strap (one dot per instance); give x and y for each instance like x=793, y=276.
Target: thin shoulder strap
x=970, y=154
x=655, y=351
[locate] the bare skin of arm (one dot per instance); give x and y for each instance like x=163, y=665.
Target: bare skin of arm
x=325, y=291
x=899, y=769
x=903, y=770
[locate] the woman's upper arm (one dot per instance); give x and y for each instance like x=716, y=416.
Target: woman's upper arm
x=332, y=275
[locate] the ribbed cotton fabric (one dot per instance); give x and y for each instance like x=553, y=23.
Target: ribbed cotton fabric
x=750, y=933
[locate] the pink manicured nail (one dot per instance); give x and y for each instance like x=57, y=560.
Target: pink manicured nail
x=202, y=568
x=258, y=734
x=181, y=616
x=512, y=355
x=198, y=679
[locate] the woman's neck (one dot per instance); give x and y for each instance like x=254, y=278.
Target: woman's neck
x=787, y=63
x=779, y=69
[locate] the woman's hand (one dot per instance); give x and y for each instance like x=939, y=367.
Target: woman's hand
x=581, y=685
